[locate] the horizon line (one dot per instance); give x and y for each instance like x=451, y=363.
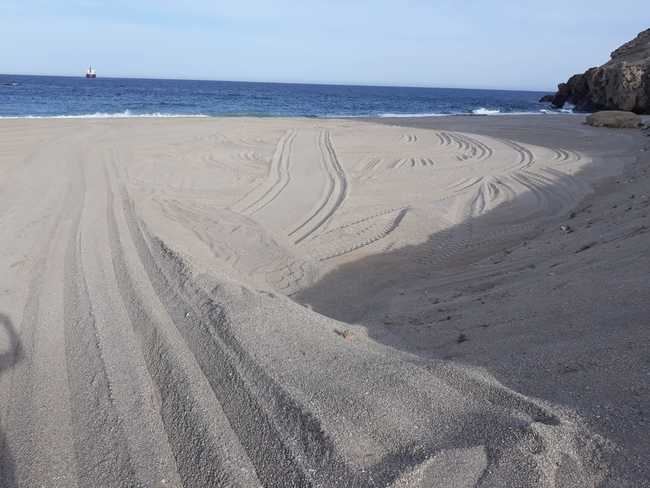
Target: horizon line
x=312, y=83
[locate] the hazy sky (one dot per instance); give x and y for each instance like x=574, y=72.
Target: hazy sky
x=460, y=43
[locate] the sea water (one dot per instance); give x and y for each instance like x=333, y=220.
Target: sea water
x=49, y=96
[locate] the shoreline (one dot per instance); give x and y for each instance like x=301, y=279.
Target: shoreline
x=125, y=115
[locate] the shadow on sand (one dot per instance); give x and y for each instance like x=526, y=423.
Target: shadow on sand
x=8, y=359
x=361, y=290
x=534, y=312
x=356, y=291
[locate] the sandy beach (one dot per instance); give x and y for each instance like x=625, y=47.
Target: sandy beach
x=439, y=302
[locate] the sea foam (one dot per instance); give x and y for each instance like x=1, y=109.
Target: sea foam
x=127, y=114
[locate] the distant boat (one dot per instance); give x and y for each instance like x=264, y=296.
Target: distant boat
x=91, y=73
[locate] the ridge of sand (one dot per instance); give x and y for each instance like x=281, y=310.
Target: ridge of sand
x=151, y=338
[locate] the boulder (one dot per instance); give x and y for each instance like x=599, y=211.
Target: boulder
x=623, y=83
x=615, y=119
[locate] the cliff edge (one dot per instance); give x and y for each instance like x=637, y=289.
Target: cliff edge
x=623, y=83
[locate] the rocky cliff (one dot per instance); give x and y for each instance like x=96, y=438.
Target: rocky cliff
x=623, y=83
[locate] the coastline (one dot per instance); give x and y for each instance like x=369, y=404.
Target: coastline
x=147, y=220
x=481, y=112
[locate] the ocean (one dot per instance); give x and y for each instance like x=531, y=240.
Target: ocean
x=56, y=96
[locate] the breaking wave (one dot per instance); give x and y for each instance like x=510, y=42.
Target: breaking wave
x=485, y=111
x=127, y=114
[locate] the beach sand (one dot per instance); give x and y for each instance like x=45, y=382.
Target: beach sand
x=450, y=302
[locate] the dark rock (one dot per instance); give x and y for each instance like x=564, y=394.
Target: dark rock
x=562, y=96
x=614, y=119
x=623, y=83
x=547, y=99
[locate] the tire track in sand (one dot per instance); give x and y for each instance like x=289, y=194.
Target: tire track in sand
x=101, y=445
x=526, y=156
x=475, y=149
x=369, y=239
x=42, y=382
x=205, y=449
x=26, y=418
x=277, y=180
x=297, y=452
x=335, y=192
x=409, y=139
x=413, y=162
x=566, y=156
x=124, y=426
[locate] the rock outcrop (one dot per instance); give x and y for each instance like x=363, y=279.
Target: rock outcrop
x=615, y=119
x=623, y=83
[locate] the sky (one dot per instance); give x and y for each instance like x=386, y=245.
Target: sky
x=505, y=44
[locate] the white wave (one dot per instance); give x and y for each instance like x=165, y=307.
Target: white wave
x=568, y=108
x=381, y=116
x=478, y=111
x=485, y=111
x=127, y=114
x=396, y=116
x=343, y=116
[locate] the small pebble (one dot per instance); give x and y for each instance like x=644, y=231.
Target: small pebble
x=566, y=229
